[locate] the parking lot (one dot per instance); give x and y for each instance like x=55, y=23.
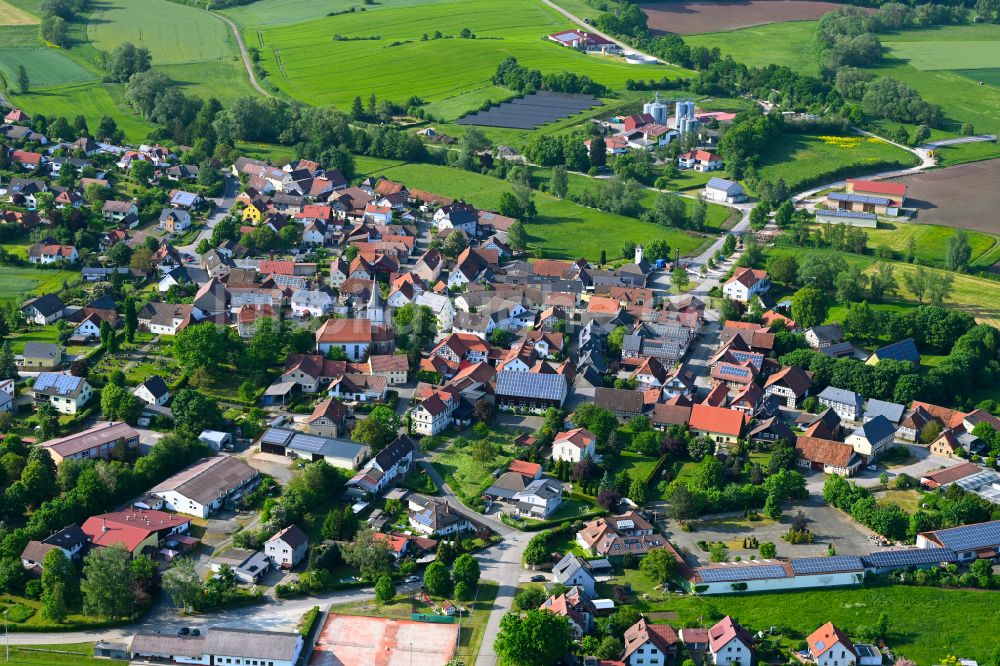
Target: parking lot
x=828, y=525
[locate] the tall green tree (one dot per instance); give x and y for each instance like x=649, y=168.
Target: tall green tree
x=105, y=584
x=183, y=583
x=808, y=307
x=537, y=637
x=560, y=182
x=23, y=82
x=60, y=585
x=131, y=319
x=957, y=251
x=437, y=579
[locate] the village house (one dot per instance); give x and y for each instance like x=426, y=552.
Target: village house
x=745, y=284
x=818, y=337
x=791, y=385
x=616, y=536
x=356, y=337
x=41, y=356
x=287, y=548
x=138, y=531
x=829, y=646
x=721, y=425
x=847, y=404
x=730, y=644
x=872, y=438
x=51, y=253
x=575, y=445
x=648, y=644
x=721, y=190
x=389, y=464
x=434, y=413
x=153, y=391
x=68, y=394
x=826, y=455
x=699, y=160
x=70, y=540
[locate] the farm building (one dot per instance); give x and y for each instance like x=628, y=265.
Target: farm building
x=724, y=191
x=861, y=203
x=204, y=487
x=294, y=444
x=584, y=41
x=777, y=574
x=894, y=191
x=968, y=541
x=849, y=217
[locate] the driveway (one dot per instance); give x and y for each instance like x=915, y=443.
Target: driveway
x=828, y=525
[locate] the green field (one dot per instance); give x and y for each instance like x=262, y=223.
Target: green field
x=303, y=59
x=946, y=54
x=226, y=80
x=564, y=230
x=790, y=44
x=804, y=160
x=19, y=36
x=926, y=624
x=17, y=283
x=45, y=66
x=173, y=33
x=988, y=76
x=930, y=239
x=93, y=100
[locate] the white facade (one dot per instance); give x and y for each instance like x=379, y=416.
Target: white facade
x=144, y=394
x=837, y=655
x=442, y=308
x=567, y=450
x=800, y=582
x=733, y=653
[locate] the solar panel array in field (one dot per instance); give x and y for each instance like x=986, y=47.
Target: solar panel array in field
x=532, y=110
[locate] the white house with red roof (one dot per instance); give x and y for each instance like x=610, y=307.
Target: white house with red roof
x=575, y=445
x=730, y=644
x=745, y=284
x=648, y=644
x=134, y=529
x=829, y=646
x=699, y=160
x=434, y=413
x=721, y=425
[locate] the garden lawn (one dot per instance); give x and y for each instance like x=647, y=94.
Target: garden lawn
x=562, y=228
x=54, y=655
x=303, y=58
x=803, y=160
x=908, y=500
x=47, y=334
x=172, y=32
x=19, y=283
x=465, y=475
x=926, y=624
x=38, y=622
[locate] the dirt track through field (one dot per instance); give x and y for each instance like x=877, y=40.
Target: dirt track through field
x=691, y=18
x=964, y=196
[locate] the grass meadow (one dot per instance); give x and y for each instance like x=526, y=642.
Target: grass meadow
x=930, y=241
x=13, y=15
x=53, y=655
x=92, y=99
x=305, y=61
x=803, y=160
x=789, y=43
x=563, y=229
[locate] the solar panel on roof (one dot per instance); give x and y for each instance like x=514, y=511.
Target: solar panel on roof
x=276, y=436
x=815, y=565
x=308, y=443
x=909, y=557
x=971, y=537
x=726, y=574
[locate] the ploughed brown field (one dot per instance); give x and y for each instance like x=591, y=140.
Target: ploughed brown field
x=964, y=196
x=692, y=18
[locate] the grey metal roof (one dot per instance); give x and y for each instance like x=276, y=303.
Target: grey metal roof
x=41, y=350
x=843, y=396
x=891, y=410
x=876, y=429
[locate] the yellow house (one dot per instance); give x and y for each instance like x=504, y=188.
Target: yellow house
x=254, y=212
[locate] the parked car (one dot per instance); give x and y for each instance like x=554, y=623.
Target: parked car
x=411, y=579
x=183, y=631
x=538, y=578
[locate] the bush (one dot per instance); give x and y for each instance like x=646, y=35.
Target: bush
x=20, y=613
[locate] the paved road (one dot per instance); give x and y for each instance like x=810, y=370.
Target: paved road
x=243, y=53
x=962, y=139
x=500, y=563
x=223, y=204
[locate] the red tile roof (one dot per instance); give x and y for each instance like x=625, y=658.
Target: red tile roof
x=717, y=419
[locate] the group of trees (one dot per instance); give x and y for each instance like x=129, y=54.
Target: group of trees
x=55, y=16
x=458, y=580
x=510, y=74
x=75, y=491
x=949, y=508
